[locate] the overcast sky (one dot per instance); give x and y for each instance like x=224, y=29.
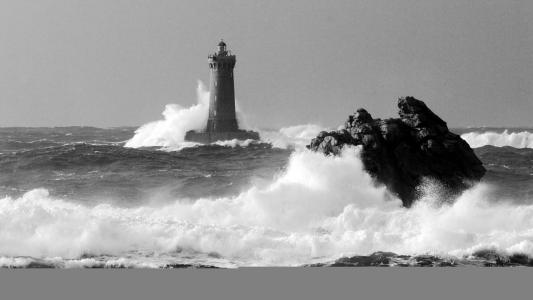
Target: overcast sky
x=118, y=62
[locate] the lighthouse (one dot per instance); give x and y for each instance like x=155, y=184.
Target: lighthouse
x=222, y=121
x=222, y=91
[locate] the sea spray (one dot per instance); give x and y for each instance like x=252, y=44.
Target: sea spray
x=297, y=136
x=523, y=139
x=318, y=209
x=170, y=132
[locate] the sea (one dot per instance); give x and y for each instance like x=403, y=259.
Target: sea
x=142, y=197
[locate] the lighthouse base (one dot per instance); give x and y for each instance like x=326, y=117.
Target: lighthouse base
x=210, y=137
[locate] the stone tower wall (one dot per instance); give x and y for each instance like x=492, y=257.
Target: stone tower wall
x=222, y=98
x=222, y=123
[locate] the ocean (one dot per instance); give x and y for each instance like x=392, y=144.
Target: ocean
x=92, y=197
x=127, y=197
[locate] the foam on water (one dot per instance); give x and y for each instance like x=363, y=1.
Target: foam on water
x=523, y=139
x=320, y=208
x=292, y=136
x=169, y=133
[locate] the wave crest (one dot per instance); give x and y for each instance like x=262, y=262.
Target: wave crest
x=320, y=208
x=170, y=132
x=523, y=139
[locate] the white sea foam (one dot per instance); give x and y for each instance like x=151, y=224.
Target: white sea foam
x=523, y=139
x=234, y=143
x=291, y=137
x=169, y=133
x=320, y=208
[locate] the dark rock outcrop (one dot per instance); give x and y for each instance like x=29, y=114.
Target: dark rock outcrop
x=401, y=152
x=481, y=258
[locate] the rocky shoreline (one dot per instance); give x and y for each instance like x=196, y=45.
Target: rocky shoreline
x=481, y=258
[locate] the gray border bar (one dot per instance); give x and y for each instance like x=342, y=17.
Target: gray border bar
x=269, y=283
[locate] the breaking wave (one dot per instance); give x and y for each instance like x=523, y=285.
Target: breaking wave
x=169, y=133
x=523, y=139
x=320, y=208
x=292, y=136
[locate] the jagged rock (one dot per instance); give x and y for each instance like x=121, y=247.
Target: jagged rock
x=521, y=259
x=372, y=260
x=401, y=152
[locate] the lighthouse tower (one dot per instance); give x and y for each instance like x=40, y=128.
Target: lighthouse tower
x=222, y=97
x=222, y=121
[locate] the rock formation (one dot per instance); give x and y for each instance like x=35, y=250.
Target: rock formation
x=480, y=258
x=401, y=152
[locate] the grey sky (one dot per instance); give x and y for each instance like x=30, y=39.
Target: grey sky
x=115, y=62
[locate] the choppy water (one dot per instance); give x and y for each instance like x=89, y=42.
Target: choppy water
x=92, y=165
x=77, y=197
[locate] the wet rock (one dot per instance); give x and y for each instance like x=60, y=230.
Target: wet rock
x=488, y=254
x=372, y=260
x=401, y=153
x=492, y=258
x=389, y=259
x=188, y=266
x=521, y=259
x=40, y=265
x=481, y=258
x=446, y=264
x=432, y=261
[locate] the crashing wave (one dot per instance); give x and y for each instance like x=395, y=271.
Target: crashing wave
x=292, y=136
x=169, y=133
x=523, y=139
x=319, y=209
